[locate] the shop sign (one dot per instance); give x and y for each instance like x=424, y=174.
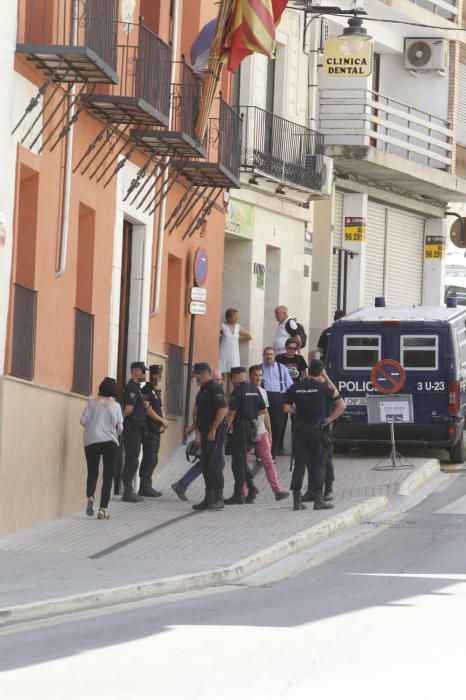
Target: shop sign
x=307, y=242
x=355, y=229
x=434, y=248
x=339, y=62
x=240, y=219
x=259, y=271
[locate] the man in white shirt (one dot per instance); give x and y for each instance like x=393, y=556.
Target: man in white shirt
x=281, y=334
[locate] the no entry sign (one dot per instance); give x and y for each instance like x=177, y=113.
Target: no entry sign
x=388, y=376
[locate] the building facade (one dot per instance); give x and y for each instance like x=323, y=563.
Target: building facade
x=396, y=140
x=96, y=265
x=268, y=239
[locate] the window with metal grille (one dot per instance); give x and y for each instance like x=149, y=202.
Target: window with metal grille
x=83, y=351
x=24, y=332
x=174, y=380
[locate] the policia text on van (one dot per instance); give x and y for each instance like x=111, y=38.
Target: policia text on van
x=430, y=344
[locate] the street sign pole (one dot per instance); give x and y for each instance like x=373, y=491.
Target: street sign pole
x=189, y=378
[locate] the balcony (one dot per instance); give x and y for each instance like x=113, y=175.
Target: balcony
x=441, y=8
x=392, y=144
x=280, y=152
x=220, y=168
x=142, y=97
x=71, y=41
x=180, y=141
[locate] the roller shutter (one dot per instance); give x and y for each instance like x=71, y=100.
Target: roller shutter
x=461, y=105
x=375, y=252
x=404, y=258
x=337, y=238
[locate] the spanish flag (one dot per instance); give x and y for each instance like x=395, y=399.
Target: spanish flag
x=252, y=29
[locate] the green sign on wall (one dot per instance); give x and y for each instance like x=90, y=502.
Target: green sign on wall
x=240, y=219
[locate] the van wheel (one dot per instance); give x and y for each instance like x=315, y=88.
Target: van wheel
x=458, y=451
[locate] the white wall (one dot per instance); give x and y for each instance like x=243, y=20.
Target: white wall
x=427, y=91
x=7, y=159
x=279, y=241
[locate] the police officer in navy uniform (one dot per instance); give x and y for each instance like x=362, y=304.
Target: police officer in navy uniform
x=209, y=422
x=156, y=424
x=309, y=399
x=246, y=404
x=134, y=429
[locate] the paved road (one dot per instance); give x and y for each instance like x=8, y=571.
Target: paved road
x=383, y=616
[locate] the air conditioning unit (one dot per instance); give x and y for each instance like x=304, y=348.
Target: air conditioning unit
x=327, y=176
x=426, y=54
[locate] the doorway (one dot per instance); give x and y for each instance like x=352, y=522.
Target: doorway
x=125, y=294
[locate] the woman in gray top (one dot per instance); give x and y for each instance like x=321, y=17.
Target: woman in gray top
x=102, y=420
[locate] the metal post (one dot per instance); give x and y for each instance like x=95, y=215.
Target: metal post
x=392, y=439
x=189, y=377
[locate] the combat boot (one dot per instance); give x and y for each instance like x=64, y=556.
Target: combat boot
x=297, y=501
x=217, y=503
x=309, y=496
x=252, y=493
x=236, y=499
x=320, y=503
x=328, y=494
x=204, y=504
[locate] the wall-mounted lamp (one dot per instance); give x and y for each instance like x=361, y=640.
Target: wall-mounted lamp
x=354, y=36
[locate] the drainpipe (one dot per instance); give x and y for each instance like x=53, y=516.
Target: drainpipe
x=65, y=209
x=155, y=306
x=313, y=74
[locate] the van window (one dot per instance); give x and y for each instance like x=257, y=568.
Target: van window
x=462, y=347
x=361, y=351
x=419, y=351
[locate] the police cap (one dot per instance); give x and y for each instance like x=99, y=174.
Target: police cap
x=139, y=365
x=156, y=369
x=238, y=370
x=201, y=367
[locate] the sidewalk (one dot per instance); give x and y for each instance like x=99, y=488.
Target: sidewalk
x=163, y=538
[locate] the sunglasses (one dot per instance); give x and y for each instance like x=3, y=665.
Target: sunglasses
x=292, y=347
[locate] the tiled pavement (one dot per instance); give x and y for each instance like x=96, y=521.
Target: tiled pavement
x=164, y=537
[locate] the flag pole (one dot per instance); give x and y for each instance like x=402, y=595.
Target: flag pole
x=213, y=69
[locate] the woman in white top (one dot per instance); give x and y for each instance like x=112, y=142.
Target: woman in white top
x=102, y=420
x=230, y=335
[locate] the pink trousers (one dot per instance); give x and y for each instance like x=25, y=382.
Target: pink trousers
x=262, y=448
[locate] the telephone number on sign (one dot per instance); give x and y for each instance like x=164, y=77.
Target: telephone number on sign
x=434, y=253
x=431, y=386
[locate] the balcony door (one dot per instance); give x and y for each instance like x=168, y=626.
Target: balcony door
x=268, y=126
x=125, y=292
x=375, y=87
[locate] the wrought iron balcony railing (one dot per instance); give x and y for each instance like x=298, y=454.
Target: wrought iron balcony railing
x=221, y=167
x=180, y=140
x=276, y=148
x=72, y=41
x=142, y=96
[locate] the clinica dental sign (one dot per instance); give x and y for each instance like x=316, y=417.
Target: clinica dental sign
x=340, y=62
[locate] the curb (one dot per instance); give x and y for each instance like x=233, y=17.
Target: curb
x=204, y=579
x=422, y=475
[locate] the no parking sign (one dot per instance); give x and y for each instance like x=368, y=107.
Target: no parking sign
x=388, y=376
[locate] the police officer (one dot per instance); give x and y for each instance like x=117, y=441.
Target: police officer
x=134, y=428
x=309, y=400
x=156, y=424
x=246, y=404
x=209, y=423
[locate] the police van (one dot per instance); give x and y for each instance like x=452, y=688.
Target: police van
x=430, y=344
